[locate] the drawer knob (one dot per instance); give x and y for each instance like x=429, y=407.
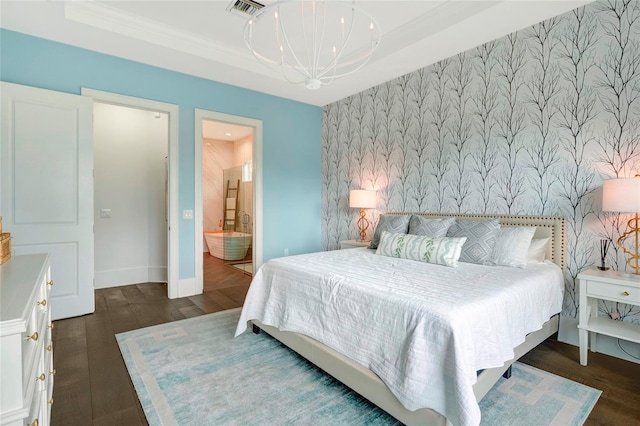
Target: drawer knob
x=33, y=337
x=43, y=302
x=50, y=326
x=51, y=401
x=48, y=348
x=626, y=293
x=50, y=283
x=41, y=377
x=34, y=423
x=53, y=372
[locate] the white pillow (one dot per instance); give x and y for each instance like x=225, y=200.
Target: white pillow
x=441, y=251
x=512, y=247
x=538, y=250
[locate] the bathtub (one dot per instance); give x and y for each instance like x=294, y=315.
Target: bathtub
x=228, y=245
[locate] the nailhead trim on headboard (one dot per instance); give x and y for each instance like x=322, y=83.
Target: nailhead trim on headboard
x=555, y=224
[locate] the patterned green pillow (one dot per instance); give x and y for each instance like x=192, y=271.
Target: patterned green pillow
x=442, y=251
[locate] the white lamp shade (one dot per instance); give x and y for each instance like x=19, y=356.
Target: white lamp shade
x=621, y=195
x=362, y=199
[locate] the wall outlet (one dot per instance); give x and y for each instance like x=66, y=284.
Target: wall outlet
x=286, y=252
x=105, y=213
x=187, y=214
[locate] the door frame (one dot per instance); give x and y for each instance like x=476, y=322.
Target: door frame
x=173, y=231
x=200, y=116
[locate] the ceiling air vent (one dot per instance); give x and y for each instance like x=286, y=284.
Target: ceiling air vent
x=244, y=8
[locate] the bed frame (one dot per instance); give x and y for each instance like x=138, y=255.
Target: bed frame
x=369, y=385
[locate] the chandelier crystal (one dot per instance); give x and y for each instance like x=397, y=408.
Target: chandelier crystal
x=312, y=42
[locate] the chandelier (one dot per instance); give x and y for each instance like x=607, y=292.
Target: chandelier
x=312, y=42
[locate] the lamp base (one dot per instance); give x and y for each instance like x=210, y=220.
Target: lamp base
x=634, y=256
x=363, y=224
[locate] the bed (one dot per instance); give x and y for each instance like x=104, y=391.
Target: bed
x=408, y=391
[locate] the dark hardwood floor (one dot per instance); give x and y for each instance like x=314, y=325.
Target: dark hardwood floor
x=92, y=385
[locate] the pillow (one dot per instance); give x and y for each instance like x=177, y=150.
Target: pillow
x=538, y=250
x=436, y=228
x=390, y=223
x=512, y=247
x=441, y=251
x=481, y=237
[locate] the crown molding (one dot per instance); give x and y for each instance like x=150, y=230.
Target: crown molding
x=102, y=16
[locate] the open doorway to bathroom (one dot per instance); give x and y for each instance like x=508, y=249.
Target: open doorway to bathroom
x=251, y=224
x=227, y=197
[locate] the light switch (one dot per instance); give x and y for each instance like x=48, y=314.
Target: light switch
x=105, y=213
x=187, y=214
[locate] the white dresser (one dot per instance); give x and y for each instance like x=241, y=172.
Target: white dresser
x=26, y=351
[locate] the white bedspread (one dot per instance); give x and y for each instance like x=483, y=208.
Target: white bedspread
x=424, y=329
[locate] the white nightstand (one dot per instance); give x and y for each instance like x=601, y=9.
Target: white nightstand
x=349, y=244
x=606, y=285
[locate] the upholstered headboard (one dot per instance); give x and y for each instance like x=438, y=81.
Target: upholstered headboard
x=546, y=226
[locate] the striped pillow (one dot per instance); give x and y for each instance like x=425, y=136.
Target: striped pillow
x=441, y=251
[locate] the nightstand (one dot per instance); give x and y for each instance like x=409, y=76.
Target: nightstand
x=605, y=285
x=349, y=244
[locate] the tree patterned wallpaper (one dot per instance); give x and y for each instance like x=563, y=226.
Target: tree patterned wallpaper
x=527, y=124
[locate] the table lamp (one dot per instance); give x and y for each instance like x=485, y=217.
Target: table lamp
x=623, y=196
x=362, y=199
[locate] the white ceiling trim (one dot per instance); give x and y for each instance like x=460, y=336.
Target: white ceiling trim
x=415, y=37
x=120, y=22
x=430, y=23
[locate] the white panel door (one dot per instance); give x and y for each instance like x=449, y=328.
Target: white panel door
x=46, y=184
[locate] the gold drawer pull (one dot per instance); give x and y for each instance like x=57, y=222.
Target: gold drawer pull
x=51, y=401
x=35, y=423
x=50, y=283
x=626, y=293
x=48, y=348
x=33, y=337
x=53, y=372
x=50, y=326
x=41, y=377
x=43, y=302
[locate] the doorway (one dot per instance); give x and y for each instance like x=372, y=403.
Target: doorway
x=227, y=195
x=130, y=197
x=228, y=211
x=168, y=182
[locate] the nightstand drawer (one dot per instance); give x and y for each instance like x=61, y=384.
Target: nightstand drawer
x=615, y=292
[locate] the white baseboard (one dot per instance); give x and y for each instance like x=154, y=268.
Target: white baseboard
x=568, y=333
x=157, y=274
x=127, y=276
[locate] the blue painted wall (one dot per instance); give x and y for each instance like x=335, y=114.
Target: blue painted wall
x=291, y=131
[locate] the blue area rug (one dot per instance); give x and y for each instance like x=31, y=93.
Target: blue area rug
x=194, y=372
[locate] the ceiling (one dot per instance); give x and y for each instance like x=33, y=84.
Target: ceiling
x=222, y=131
x=203, y=39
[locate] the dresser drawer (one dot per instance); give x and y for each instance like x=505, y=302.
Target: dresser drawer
x=31, y=347
x=616, y=292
